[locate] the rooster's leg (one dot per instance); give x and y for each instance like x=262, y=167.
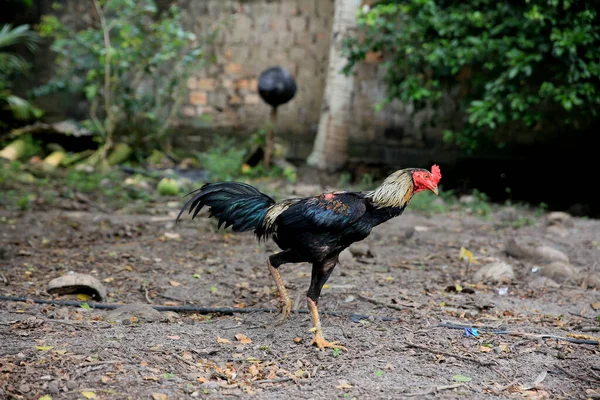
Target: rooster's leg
x=320, y=274
x=286, y=301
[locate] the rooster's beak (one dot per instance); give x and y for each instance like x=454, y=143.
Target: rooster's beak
x=434, y=190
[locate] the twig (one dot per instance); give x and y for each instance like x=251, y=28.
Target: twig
x=145, y=289
x=475, y=360
x=581, y=378
x=93, y=363
x=381, y=303
x=275, y=380
x=188, y=362
x=4, y=279
x=580, y=316
x=435, y=389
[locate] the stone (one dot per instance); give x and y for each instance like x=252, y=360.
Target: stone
x=361, y=250
x=542, y=282
x=590, y=281
x=551, y=254
x=558, y=218
x=75, y=283
x=53, y=387
x=557, y=230
x=559, y=271
x=71, y=385
x=467, y=199
x=494, y=272
x=345, y=257
x=210, y=385
x=143, y=313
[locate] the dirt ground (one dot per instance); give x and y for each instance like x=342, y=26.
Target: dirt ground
x=408, y=268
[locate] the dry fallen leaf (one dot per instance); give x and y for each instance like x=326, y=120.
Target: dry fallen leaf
x=298, y=339
x=44, y=348
x=485, y=349
x=253, y=369
x=186, y=356
x=223, y=340
x=504, y=348
x=109, y=280
x=174, y=337
x=344, y=385
x=89, y=395
x=151, y=378
x=174, y=283
x=159, y=396
x=46, y=397
x=596, y=305
x=243, y=338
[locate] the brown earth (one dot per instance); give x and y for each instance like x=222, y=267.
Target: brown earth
x=413, y=274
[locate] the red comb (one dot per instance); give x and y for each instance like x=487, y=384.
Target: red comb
x=436, y=173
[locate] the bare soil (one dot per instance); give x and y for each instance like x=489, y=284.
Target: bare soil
x=412, y=274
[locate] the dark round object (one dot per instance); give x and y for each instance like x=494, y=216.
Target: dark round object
x=276, y=86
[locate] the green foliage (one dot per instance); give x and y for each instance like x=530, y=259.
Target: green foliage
x=131, y=64
x=12, y=66
x=223, y=161
x=532, y=64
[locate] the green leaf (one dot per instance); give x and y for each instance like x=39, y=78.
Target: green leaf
x=462, y=378
x=86, y=306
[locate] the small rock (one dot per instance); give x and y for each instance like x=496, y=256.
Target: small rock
x=542, y=282
x=77, y=283
x=558, y=271
x=551, y=254
x=590, y=281
x=558, y=218
x=72, y=385
x=540, y=253
x=24, y=388
x=494, y=272
x=53, y=387
x=420, y=228
x=467, y=199
x=210, y=385
x=345, y=257
x=557, y=230
x=361, y=250
x=143, y=312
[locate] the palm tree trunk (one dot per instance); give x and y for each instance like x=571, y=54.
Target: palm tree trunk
x=330, y=150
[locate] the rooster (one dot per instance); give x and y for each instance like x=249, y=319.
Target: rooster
x=313, y=229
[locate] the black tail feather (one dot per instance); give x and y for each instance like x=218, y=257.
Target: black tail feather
x=235, y=204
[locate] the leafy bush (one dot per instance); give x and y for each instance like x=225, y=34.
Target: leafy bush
x=12, y=65
x=132, y=64
x=528, y=64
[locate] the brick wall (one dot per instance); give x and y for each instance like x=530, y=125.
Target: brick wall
x=263, y=33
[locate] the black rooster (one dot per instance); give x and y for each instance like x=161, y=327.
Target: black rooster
x=312, y=229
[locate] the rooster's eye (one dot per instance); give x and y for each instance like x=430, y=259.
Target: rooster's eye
x=426, y=176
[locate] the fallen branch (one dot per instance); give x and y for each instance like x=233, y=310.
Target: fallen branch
x=193, y=309
x=435, y=389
